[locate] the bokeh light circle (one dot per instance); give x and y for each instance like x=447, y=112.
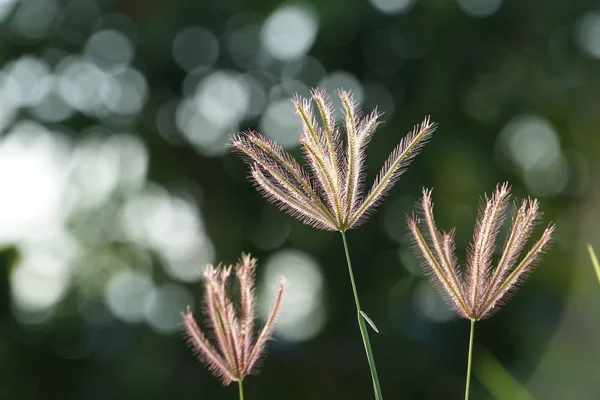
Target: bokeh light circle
x=289, y=32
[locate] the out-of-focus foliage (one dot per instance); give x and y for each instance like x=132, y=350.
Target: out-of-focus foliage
x=117, y=188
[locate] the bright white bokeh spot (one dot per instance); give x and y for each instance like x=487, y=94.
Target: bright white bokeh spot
x=176, y=228
x=11, y=97
x=550, y=181
x=34, y=79
x=82, y=84
x=172, y=227
x=132, y=93
x=102, y=165
x=52, y=108
x=41, y=277
x=223, y=98
x=531, y=142
x=138, y=210
x=125, y=294
x=279, y=122
x=109, y=94
x=200, y=131
x=302, y=314
x=188, y=266
x=163, y=307
x=428, y=302
x=588, y=33
x=392, y=6
x=7, y=116
x=338, y=80
x=177, y=233
x=94, y=174
x=195, y=48
x=110, y=49
x=479, y=8
x=289, y=32
x=6, y=6
x=11, y=94
x=33, y=172
x=34, y=18
x=130, y=154
x=533, y=145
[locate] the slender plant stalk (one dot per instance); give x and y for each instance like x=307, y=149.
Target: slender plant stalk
x=241, y=387
x=481, y=291
x=469, y=361
x=594, y=260
x=363, y=327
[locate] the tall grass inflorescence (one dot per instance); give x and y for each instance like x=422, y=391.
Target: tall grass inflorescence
x=479, y=293
x=237, y=351
x=331, y=196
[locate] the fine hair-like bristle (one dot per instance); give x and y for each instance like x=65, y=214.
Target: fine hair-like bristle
x=237, y=351
x=484, y=288
x=331, y=196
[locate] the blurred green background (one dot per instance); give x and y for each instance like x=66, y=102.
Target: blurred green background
x=117, y=188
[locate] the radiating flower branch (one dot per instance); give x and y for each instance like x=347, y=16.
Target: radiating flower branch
x=482, y=290
x=237, y=351
x=331, y=195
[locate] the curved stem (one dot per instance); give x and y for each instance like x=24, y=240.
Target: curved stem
x=363, y=327
x=468, y=385
x=241, y=387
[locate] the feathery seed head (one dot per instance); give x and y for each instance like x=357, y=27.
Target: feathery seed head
x=237, y=351
x=331, y=196
x=478, y=294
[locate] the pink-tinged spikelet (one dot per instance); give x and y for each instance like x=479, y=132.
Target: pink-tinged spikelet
x=331, y=196
x=478, y=294
x=237, y=351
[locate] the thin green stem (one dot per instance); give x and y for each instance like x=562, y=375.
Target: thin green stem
x=469, y=362
x=363, y=327
x=241, y=387
x=594, y=261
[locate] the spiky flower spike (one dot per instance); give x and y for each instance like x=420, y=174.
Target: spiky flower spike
x=479, y=293
x=331, y=197
x=237, y=351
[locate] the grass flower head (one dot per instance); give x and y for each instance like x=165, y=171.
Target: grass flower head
x=478, y=293
x=237, y=351
x=330, y=197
